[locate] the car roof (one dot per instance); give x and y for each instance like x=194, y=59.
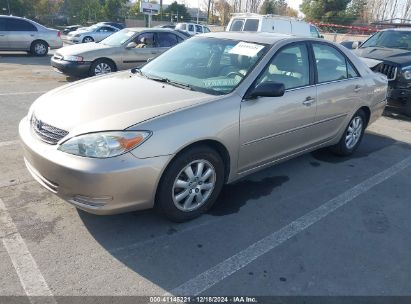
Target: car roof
x=257, y=37
x=156, y=29
x=406, y=29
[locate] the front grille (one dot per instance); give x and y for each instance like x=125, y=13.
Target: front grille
x=47, y=133
x=387, y=69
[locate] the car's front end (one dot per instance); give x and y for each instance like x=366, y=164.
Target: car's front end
x=71, y=65
x=75, y=37
x=391, y=48
x=97, y=185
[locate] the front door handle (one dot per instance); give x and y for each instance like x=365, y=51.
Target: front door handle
x=308, y=101
x=357, y=88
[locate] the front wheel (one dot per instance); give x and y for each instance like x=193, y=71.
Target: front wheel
x=191, y=184
x=88, y=39
x=101, y=66
x=352, y=135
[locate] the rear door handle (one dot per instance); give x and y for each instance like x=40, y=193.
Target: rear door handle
x=357, y=88
x=308, y=101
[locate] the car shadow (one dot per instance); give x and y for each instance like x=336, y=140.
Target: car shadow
x=168, y=254
x=396, y=114
x=22, y=58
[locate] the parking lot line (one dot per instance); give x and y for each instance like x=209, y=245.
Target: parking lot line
x=216, y=274
x=23, y=262
x=22, y=93
x=8, y=143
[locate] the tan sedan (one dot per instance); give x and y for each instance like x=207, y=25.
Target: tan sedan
x=207, y=112
x=123, y=50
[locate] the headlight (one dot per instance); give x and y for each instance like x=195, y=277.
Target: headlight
x=77, y=35
x=73, y=58
x=406, y=73
x=104, y=144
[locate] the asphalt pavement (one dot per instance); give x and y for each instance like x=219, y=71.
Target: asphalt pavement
x=317, y=225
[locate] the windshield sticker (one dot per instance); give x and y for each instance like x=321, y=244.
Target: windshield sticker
x=246, y=49
x=220, y=83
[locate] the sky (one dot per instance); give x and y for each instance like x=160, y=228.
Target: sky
x=194, y=3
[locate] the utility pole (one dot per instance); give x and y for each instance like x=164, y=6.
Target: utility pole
x=8, y=6
x=208, y=11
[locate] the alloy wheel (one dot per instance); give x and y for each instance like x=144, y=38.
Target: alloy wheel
x=354, y=132
x=194, y=185
x=102, y=68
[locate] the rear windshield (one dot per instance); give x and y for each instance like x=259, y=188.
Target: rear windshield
x=181, y=26
x=251, y=25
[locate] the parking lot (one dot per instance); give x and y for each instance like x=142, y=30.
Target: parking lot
x=315, y=225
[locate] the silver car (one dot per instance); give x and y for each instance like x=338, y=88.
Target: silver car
x=120, y=51
x=21, y=34
x=94, y=33
x=207, y=112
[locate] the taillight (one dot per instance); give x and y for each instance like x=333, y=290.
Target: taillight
x=58, y=34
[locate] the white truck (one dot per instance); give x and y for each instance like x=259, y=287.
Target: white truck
x=248, y=22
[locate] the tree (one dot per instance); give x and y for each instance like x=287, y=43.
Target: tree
x=223, y=9
x=267, y=7
x=291, y=12
x=179, y=10
x=329, y=11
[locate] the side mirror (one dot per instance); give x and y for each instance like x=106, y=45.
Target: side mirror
x=267, y=89
x=356, y=44
x=322, y=36
x=131, y=45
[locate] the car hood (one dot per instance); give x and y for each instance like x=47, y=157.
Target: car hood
x=113, y=102
x=396, y=56
x=78, y=49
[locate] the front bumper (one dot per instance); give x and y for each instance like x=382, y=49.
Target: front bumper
x=399, y=97
x=100, y=186
x=77, y=69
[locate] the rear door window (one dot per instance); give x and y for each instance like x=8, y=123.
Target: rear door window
x=331, y=64
x=18, y=25
x=237, y=25
x=251, y=25
x=2, y=24
x=166, y=39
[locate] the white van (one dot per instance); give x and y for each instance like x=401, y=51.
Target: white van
x=192, y=28
x=248, y=22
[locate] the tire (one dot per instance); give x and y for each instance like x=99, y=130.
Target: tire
x=101, y=66
x=39, y=48
x=180, y=198
x=87, y=39
x=355, y=132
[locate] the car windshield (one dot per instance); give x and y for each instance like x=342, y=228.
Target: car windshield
x=210, y=65
x=117, y=39
x=390, y=39
x=92, y=28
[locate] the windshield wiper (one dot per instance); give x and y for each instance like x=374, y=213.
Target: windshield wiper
x=170, y=82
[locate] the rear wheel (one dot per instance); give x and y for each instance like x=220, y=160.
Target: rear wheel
x=352, y=136
x=101, y=66
x=39, y=48
x=191, y=184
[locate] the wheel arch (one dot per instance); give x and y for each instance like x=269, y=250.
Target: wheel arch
x=367, y=112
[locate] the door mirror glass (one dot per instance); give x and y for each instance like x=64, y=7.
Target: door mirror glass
x=267, y=89
x=131, y=45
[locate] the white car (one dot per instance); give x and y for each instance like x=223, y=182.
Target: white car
x=192, y=28
x=248, y=22
x=94, y=33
